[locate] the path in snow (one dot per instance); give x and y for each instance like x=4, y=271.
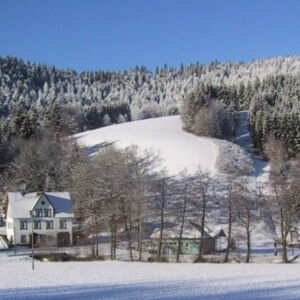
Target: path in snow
x=244, y=140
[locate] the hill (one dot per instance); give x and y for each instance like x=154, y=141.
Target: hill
x=165, y=136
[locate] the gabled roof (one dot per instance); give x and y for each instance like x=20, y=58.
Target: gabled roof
x=190, y=231
x=19, y=205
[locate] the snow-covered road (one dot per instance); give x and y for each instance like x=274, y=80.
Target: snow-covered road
x=244, y=140
x=121, y=280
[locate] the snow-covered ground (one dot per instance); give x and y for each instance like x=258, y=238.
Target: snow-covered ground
x=121, y=280
x=164, y=136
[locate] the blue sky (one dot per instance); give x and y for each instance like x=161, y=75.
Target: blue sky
x=120, y=34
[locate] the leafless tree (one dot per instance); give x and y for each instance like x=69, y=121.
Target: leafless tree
x=202, y=185
x=245, y=205
x=284, y=200
x=108, y=164
x=184, y=196
x=140, y=173
x=161, y=192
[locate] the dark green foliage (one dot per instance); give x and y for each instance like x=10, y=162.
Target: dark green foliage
x=210, y=111
x=98, y=115
x=53, y=118
x=25, y=125
x=275, y=110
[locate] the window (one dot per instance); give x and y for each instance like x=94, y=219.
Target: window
x=23, y=225
x=37, y=225
x=62, y=224
x=23, y=239
x=38, y=212
x=49, y=224
x=47, y=213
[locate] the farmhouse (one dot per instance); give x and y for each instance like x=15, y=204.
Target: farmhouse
x=48, y=217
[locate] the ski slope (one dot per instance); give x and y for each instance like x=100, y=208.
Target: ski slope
x=165, y=137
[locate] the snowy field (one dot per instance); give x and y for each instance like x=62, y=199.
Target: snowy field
x=121, y=280
x=164, y=136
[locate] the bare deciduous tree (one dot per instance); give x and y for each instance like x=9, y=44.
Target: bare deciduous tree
x=202, y=185
x=283, y=200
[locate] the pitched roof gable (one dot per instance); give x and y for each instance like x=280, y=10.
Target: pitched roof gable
x=19, y=206
x=190, y=231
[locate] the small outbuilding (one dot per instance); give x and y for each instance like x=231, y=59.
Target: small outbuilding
x=190, y=241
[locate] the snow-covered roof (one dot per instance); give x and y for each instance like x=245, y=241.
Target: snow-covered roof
x=20, y=205
x=189, y=232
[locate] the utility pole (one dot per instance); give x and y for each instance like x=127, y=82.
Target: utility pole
x=32, y=238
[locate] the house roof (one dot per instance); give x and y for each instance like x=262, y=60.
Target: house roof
x=190, y=231
x=19, y=205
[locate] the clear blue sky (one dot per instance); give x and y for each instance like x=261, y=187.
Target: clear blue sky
x=120, y=34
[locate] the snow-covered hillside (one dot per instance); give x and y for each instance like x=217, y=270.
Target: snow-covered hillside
x=164, y=136
x=177, y=148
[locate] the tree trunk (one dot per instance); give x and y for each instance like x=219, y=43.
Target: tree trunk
x=160, y=235
x=200, y=257
x=140, y=239
x=113, y=233
x=97, y=241
x=129, y=238
x=283, y=237
x=179, y=240
x=115, y=245
x=93, y=241
x=181, y=227
x=248, y=245
x=226, y=259
x=284, y=250
x=111, y=245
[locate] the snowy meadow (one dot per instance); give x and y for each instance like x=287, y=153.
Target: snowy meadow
x=122, y=280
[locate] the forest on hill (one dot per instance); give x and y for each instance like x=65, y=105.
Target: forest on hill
x=36, y=99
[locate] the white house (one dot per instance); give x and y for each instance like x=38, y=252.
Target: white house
x=47, y=216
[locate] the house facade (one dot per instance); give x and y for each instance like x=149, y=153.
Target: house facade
x=45, y=217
